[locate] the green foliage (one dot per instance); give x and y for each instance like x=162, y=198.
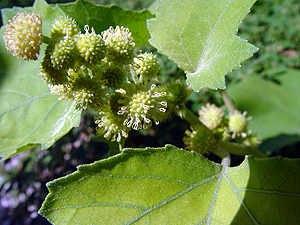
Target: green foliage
x=102, y=17
x=173, y=186
x=29, y=114
x=201, y=38
x=104, y=72
x=267, y=102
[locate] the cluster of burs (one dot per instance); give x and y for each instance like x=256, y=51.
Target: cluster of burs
x=103, y=72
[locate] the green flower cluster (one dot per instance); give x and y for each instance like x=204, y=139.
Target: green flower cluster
x=100, y=72
x=217, y=126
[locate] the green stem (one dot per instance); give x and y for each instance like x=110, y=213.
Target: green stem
x=228, y=102
x=224, y=155
x=238, y=149
x=46, y=40
x=188, y=115
x=116, y=147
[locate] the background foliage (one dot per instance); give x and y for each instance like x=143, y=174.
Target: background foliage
x=268, y=26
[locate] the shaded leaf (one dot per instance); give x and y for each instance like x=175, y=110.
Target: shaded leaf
x=172, y=186
x=274, y=107
x=102, y=17
x=200, y=36
x=29, y=115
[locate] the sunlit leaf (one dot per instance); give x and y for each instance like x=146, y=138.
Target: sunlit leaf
x=200, y=36
x=172, y=186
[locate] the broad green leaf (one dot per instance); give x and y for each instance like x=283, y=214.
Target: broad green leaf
x=200, y=36
x=172, y=186
x=29, y=115
x=102, y=17
x=274, y=107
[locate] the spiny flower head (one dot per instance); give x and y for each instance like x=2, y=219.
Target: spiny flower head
x=64, y=53
x=114, y=76
x=238, y=123
x=143, y=106
x=145, y=65
x=51, y=75
x=23, y=36
x=90, y=46
x=111, y=126
x=176, y=94
x=64, y=26
x=120, y=45
x=88, y=92
x=199, y=139
x=211, y=116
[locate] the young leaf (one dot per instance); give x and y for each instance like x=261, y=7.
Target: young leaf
x=29, y=115
x=274, y=107
x=172, y=186
x=102, y=17
x=200, y=36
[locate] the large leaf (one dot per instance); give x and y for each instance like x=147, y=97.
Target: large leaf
x=29, y=114
x=173, y=186
x=102, y=17
x=275, y=107
x=200, y=36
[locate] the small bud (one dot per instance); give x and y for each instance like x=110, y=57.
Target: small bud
x=91, y=46
x=110, y=125
x=211, y=116
x=88, y=92
x=64, y=26
x=114, y=77
x=64, y=53
x=238, y=124
x=200, y=139
x=120, y=45
x=176, y=94
x=23, y=36
x=146, y=65
x=50, y=74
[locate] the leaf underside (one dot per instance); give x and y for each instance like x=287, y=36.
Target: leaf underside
x=267, y=101
x=172, y=186
x=200, y=36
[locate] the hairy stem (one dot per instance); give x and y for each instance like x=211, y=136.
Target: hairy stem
x=224, y=155
x=228, y=102
x=188, y=115
x=239, y=149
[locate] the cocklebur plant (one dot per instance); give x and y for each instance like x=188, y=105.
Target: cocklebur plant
x=100, y=69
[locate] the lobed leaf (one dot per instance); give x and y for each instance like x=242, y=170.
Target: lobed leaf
x=200, y=36
x=172, y=186
x=29, y=115
x=274, y=106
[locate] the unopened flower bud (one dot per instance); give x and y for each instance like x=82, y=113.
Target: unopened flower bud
x=120, y=45
x=64, y=26
x=90, y=46
x=200, y=139
x=145, y=65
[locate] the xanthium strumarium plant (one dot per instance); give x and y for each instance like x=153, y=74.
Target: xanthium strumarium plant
x=105, y=73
